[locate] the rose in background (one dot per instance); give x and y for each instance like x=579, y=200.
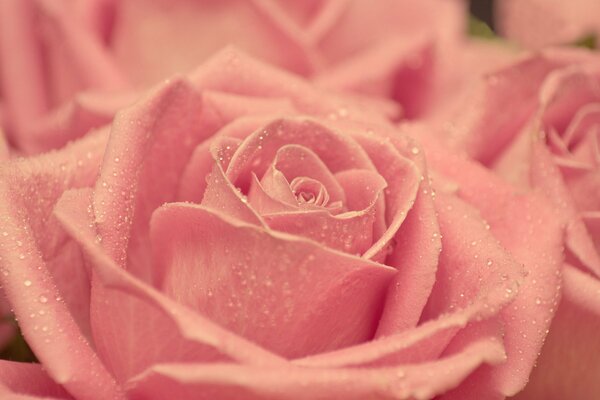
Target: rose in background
x=536, y=123
x=538, y=23
x=66, y=60
x=240, y=234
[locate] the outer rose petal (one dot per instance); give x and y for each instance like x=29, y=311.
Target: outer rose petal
x=86, y=111
x=568, y=366
x=21, y=73
x=414, y=241
x=236, y=382
x=536, y=23
x=293, y=296
x=28, y=379
x=518, y=222
x=30, y=236
x=76, y=57
x=145, y=32
x=131, y=308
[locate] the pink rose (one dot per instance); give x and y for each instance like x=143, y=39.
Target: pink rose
x=538, y=23
x=65, y=60
x=239, y=234
x=537, y=124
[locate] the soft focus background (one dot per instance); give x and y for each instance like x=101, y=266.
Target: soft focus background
x=483, y=10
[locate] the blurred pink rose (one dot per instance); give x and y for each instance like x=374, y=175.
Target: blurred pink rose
x=239, y=234
x=66, y=59
x=537, y=124
x=538, y=23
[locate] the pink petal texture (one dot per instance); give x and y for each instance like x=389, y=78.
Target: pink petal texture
x=22, y=76
x=536, y=23
x=130, y=308
x=41, y=298
x=244, y=297
x=236, y=382
x=568, y=366
x=28, y=381
x=534, y=237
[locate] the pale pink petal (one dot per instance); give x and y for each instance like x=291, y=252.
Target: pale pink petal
x=274, y=185
x=209, y=381
x=221, y=195
x=532, y=231
x=546, y=176
x=294, y=289
x=145, y=32
x=426, y=342
x=350, y=231
x=23, y=91
x=297, y=161
x=400, y=69
x=193, y=182
x=501, y=103
x=131, y=309
x=29, y=190
x=281, y=199
x=473, y=266
x=537, y=23
x=84, y=112
x=258, y=149
x=29, y=379
x=149, y=147
x=363, y=23
x=232, y=71
x=76, y=58
x=411, y=245
x=402, y=176
x=568, y=366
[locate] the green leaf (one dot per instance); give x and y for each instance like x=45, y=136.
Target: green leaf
x=479, y=28
x=588, y=42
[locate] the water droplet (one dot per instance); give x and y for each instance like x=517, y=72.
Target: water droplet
x=43, y=299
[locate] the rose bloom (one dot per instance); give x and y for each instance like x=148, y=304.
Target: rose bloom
x=67, y=59
x=240, y=234
x=536, y=123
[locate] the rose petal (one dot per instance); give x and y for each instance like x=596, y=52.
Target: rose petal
x=143, y=163
x=546, y=176
x=536, y=24
x=477, y=125
x=400, y=68
x=237, y=382
x=298, y=161
x=28, y=379
x=426, y=342
x=279, y=199
x=352, y=231
x=21, y=69
x=473, y=266
x=568, y=366
x=144, y=32
x=258, y=149
x=282, y=288
x=29, y=189
x=71, y=121
x=76, y=57
x=532, y=231
x=234, y=72
x=130, y=308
